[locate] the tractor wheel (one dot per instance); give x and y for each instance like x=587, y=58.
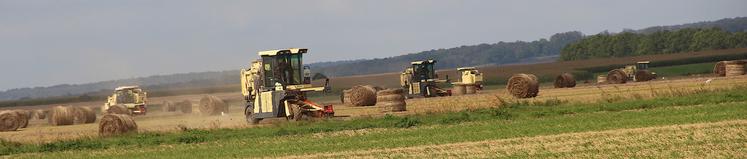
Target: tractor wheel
x=297, y=113
x=643, y=75
x=617, y=76
x=250, y=116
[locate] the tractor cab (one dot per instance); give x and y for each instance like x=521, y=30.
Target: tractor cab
x=423, y=70
x=642, y=65
x=282, y=68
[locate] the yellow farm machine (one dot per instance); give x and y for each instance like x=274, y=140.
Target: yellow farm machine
x=637, y=73
x=276, y=85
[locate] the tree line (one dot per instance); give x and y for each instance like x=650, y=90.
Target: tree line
x=661, y=42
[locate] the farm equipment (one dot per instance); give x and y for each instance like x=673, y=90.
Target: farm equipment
x=421, y=80
x=636, y=73
x=276, y=85
x=470, y=76
x=131, y=97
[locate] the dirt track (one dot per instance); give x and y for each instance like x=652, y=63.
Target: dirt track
x=40, y=132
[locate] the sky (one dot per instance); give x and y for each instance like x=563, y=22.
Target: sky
x=50, y=42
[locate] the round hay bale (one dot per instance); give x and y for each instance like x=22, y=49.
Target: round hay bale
x=363, y=96
x=185, y=106
x=345, y=96
x=168, y=106
x=601, y=79
x=115, y=124
x=40, y=114
x=24, y=117
x=393, y=106
x=565, y=80
x=458, y=89
x=734, y=69
x=390, y=97
x=617, y=76
x=523, y=85
x=61, y=116
x=84, y=115
x=9, y=120
x=720, y=68
x=390, y=91
x=470, y=89
x=118, y=109
x=212, y=105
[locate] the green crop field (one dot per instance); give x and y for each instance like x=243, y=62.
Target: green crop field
x=481, y=131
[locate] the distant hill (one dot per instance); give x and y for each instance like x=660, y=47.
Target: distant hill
x=738, y=24
x=182, y=80
x=500, y=53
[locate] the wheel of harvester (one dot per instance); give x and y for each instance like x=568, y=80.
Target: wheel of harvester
x=459, y=89
x=643, y=75
x=297, y=113
x=617, y=76
x=470, y=89
x=250, y=116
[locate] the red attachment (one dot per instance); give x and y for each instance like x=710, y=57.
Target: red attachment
x=329, y=109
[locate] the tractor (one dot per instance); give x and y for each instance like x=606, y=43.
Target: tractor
x=421, y=80
x=275, y=86
x=636, y=73
x=131, y=97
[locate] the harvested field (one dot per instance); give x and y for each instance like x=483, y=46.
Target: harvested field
x=41, y=132
x=678, y=140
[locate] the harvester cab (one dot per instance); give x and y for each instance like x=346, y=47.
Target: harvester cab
x=421, y=80
x=638, y=73
x=276, y=86
x=470, y=76
x=131, y=97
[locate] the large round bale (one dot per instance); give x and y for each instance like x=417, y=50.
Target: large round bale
x=115, y=124
x=601, y=79
x=720, y=68
x=565, y=80
x=363, y=95
x=617, y=76
x=9, y=120
x=118, y=109
x=24, y=117
x=185, y=106
x=458, y=89
x=168, y=106
x=391, y=100
x=41, y=114
x=734, y=68
x=212, y=105
x=84, y=115
x=523, y=85
x=61, y=116
x=345, y=96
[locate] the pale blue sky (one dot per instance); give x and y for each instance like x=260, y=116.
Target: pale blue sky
x=44, y=43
